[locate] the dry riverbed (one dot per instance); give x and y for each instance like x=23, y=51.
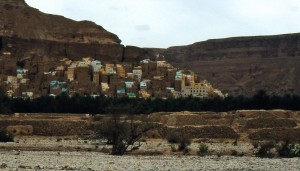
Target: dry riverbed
x=51, y=160
x=71, y=153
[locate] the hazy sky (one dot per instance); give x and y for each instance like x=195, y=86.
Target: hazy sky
x=164, y=23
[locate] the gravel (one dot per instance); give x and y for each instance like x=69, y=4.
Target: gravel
x=46, y=160
x=60, y=157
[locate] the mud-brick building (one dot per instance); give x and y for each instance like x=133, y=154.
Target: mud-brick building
x=96, y=77
x=120, y=71
x=83, y=75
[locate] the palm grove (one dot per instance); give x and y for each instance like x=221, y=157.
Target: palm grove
x=125, y=105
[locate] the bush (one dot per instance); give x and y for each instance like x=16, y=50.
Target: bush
x=289, y=150
x=4, y=137
x=183, y=140
x=295, y=150
x=283, y=150
x=265, y=150
x=184, y=144
x=173, y=148
x=203, y=149
x=234, y=153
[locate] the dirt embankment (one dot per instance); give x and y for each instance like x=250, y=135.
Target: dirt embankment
x=46, y=125
x=244, y=125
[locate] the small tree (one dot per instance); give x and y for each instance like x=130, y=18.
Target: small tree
x=123, y=133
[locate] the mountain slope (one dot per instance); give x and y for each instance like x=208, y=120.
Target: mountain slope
x=244, y=65
x=20, y=20
x=26, y=32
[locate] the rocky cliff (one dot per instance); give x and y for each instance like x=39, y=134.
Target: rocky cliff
x=25, y=31
x=243, y=65
x=20, y=20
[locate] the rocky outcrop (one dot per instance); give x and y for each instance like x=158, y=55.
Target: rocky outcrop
x=23, y=48
x=243, y=65
x=25, y=31
x=135, y=54
x=18, y=3
x=20, y=20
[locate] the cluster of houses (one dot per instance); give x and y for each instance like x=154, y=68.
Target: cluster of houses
x=148, y=79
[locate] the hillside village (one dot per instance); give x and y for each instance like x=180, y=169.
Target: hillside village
x=148, y=79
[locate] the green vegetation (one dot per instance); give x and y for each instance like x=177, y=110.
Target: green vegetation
x=271, y=149
x=203, y=149
x=182, y=140
x=102, y=104
x=288, y=150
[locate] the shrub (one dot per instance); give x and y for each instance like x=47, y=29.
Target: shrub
x=4, y=137
x=234, y=153
x=265, y=150
x=183, y=140
x=173, y=148
x=203, y=149
x=184, y=144
x=295, y=150
x=289, y=150
x=283, y=150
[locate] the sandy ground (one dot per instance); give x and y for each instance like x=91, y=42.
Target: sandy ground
x=60, y=153
x=40, y=143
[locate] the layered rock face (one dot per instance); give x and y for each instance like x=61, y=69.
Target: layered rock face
x=25, y=31
x=242, y=66
x=20, y=20
x=135, y=54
